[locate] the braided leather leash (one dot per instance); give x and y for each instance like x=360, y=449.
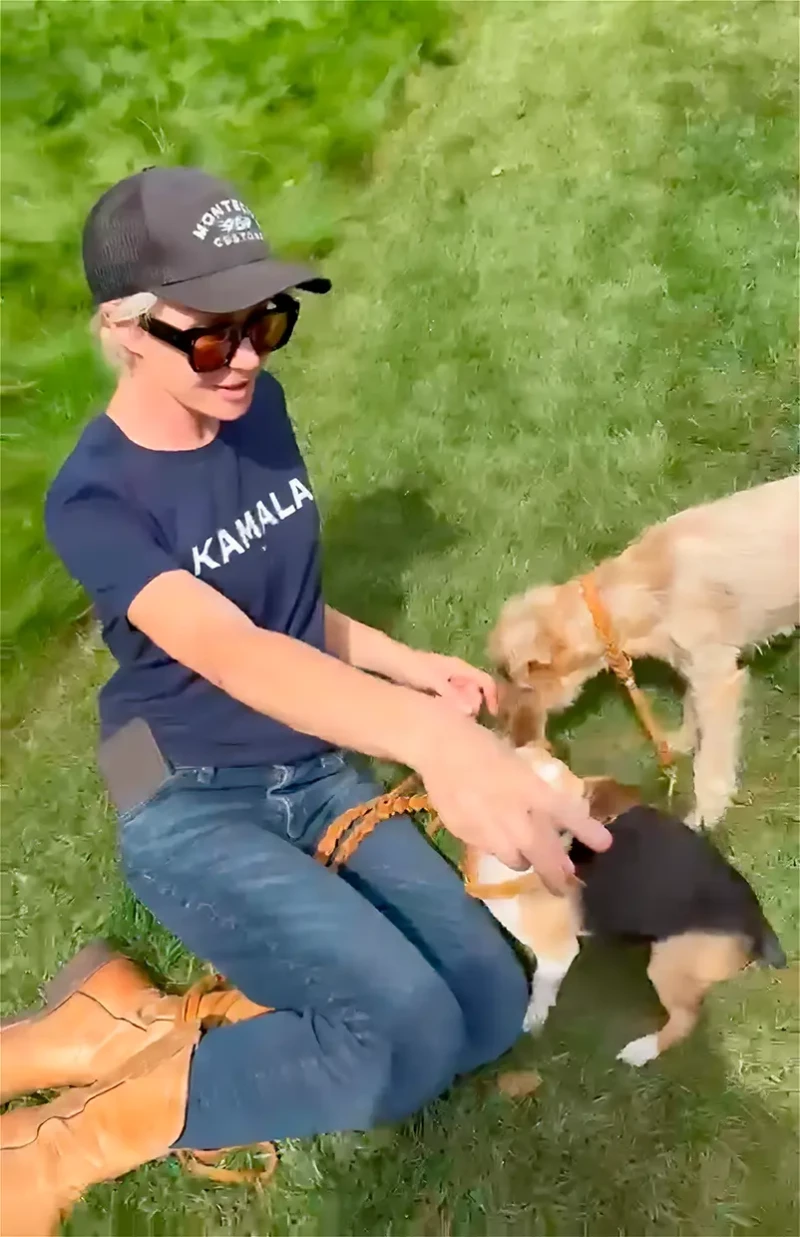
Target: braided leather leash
x=208, y=1164
x=620, y=663
x=342, y=838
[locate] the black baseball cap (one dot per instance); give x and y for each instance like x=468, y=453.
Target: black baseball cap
x=187, y=237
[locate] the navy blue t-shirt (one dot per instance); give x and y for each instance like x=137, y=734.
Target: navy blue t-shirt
x=239, y=514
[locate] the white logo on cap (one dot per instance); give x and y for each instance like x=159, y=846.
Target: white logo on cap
x=227, y=223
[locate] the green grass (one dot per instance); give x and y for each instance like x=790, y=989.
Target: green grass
x=566, y=306
x=286, y=97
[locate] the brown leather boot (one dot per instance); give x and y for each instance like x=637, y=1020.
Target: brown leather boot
x=51, y=1153
x=100, y=1010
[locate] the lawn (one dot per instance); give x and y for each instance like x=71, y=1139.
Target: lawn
x=285, y=97
x=565, y=305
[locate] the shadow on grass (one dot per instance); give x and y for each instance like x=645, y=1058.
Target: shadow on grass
x=675, y=1148
x=665, y=688
x=599, y=1148
x=769, y=662
x=772, y=661
x=655, y=677
x=372, y=541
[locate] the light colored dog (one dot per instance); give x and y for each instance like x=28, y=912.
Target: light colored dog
x=693, y=591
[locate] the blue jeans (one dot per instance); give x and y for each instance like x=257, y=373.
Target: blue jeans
x=387, y=980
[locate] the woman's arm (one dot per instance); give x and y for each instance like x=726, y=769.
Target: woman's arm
x=366, y=647
x=278, y=675
x=454, y=680
x=482, y=791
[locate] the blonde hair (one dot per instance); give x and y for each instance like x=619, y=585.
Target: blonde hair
x=128, y=309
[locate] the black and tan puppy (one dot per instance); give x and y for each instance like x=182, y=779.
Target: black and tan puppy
x=658, y=882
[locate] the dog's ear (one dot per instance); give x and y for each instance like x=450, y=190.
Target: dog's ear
x=609, y=799
x=523, y=669
x=529, y=659
x=518, y=646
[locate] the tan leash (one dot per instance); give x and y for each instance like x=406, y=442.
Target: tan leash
x=208, y=1164
x=526, y=882
x=620, y=663
x=341, y=839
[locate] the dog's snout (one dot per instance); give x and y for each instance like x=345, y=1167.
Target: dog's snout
x=521, y=716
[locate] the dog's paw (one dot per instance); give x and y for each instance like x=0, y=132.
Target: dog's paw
x=535, y=1018
x=710, y=804
x=698, y=819
x=705, y=817
x=639, y=1051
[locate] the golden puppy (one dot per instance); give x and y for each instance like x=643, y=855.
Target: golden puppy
x=693, y=591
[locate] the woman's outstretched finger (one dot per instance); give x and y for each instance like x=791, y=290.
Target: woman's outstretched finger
x=590, y=831
x=568, y=814
x=538, y=839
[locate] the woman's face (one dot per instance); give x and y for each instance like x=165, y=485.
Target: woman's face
x=225, y=394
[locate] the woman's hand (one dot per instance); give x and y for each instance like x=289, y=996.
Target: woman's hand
x=450, y=678
x=454, y=681
x=489, y=798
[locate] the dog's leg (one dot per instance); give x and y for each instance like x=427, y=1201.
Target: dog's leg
x=681, y=997
x=684, y=739
x=547, y=980
x=717, y=685
x=549, y=928
x=682, y=969
x=681, y=1022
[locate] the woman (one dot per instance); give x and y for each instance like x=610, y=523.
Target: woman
x=186, y=512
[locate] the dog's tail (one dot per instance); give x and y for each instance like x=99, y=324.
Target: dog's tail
x=769, y=951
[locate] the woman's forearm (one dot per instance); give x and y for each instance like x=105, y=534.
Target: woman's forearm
x=364, y=647
x=285, y=678
x=321, y=695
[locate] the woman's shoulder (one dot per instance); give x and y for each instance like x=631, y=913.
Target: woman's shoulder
x=91, y=459
x=87, y=493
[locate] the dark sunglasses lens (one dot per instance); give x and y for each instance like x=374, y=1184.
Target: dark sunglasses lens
x=211, y=352
x=269, y=332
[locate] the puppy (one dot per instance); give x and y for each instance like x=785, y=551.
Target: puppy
x=693, y=591
x=658, y=882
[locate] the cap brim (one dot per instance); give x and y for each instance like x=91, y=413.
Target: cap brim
x=225, y=292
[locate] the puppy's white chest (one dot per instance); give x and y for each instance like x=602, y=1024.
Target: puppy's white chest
x=507, y=911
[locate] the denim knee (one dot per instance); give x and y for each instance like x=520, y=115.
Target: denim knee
x=499, y=994
x=371, y=1069
x=427, y=1047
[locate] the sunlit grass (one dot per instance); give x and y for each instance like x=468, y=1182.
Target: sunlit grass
x=285, y=98
x=568, y=307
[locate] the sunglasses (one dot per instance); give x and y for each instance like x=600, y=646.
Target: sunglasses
x=209, y=348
